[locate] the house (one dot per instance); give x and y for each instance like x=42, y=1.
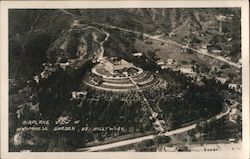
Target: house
x=216, y=51
x=36, y=78
x=233, y=86
x=187, y=69
x=77, y=95
x=160, y=62
x=164, y=67
x=231, y=140
x=234, y=114
x=221, y=17
x=139, y=54
x=64, y=65
x=222, y=80
x=171, y=61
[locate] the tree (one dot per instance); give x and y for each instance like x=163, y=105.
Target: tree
x=194, y=39
x=236, y=48
x=161, y=139
x=140, y=36
x=145, y=145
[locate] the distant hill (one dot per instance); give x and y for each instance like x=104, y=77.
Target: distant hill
x=75, y=44
x=38, y=35
x=31, y=32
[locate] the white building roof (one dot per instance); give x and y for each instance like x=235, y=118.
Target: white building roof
x=138, y=54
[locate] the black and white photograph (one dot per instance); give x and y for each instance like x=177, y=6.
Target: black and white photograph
x=134, y=79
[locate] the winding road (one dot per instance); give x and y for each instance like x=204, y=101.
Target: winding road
x=139, y=139
x=102, y=48
x=220, y=58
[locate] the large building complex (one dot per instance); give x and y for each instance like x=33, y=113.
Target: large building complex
x=114, y=65
x=115, y=74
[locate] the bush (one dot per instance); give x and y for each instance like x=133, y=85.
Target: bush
x=145, y=145
x=161, y=139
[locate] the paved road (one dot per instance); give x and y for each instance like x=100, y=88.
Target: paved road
x=139, y=139
x=220, y=58
x=133, y=141
x=86, y=26
x=102, y=48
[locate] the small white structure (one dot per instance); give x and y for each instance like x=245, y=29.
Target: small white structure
x=232, y=86
x=154, y=114
x=221, y=80
x=233, y=115
x=187, y=70
x=36, y=78
x=231, y=140
x=221, y=17
x=216, y=51
x=171, y=61
x=76, y=22
x=160, y=62
x=138, y=54
x=64, y=65
x=77, y=95
x=164, y=67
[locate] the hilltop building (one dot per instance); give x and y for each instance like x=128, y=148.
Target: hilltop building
x=114, y=64
x=116, y=74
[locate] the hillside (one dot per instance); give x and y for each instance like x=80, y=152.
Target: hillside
x=52, y=51
x=35, y=35
x=31, y=32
